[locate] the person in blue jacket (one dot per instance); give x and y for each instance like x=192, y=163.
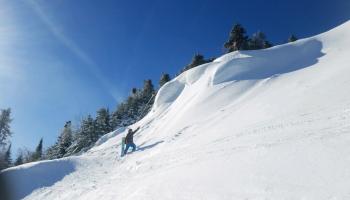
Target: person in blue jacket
x=129, y=140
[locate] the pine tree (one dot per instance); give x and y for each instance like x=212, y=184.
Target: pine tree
x=74, y=141
x=136, y=106
x=102, y=121
x=134, y=92
x=37, y=155
x=65, y=139
x=5, y=120
x=7, y=157
x=237, y=39
x=19, y=159
x=148, y=89
x=133, y=108
x=197, y=60
x=86, y=135
x=90, y=130
x=120, y=116
x=258, y=41
x=147, y=99
x=164, y=79
x=292, y=38
x=52, y=152
x=116, y=119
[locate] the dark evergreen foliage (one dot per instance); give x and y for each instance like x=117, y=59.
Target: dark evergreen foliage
x=5, y=133
x=19, y=159
x=64, y=141
x=292, y=38
x=237, y=39
x=197, y=60
x=38, y=154
x=5, y=158
x=268, y=45
x=103, y=125
x=8, y=159
x=5, y=120
x=52, y=152
x=258, y=41
x=134, y=91
x=164, y=79
x=86, y=135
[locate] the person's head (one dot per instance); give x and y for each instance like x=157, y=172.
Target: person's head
x=130, y=130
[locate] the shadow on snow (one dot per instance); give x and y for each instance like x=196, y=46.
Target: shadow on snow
x=143, y=148
x=22, y=182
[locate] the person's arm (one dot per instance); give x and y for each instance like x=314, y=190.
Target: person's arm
x=136, y=130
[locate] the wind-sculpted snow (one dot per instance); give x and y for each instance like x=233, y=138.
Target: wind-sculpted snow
x=269, y=62
x=25, y=179
x=268, y=124
x=196, y=73
x=169, y=93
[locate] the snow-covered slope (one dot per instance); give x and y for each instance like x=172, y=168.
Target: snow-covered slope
x=267, y=124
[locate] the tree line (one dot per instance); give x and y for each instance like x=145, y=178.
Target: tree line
x=73, y=140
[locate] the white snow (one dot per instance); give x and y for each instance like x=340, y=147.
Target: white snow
x=266, y=124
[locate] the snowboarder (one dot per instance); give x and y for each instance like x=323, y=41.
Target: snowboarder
x=129, y=140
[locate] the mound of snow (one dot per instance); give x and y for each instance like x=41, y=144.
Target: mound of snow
x=266, y=63
x=28, y=177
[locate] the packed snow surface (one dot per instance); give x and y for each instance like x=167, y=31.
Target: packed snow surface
x=265, y=124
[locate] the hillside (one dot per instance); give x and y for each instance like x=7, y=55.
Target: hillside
x=264, y=124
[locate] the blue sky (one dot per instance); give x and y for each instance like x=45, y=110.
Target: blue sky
x=61, y=59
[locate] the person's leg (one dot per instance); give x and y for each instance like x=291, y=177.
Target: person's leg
x=126, y=148
x=133, y=147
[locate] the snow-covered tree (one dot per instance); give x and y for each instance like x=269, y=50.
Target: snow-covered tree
x=86, y=135
x=102, y=121
x=134, y=107
x=65, y=139
x=116, y=118
x=133, y=104
x=120, y=117
x=52, y=152
x=89, y=129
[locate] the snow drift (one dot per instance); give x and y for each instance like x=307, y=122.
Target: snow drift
x=266, y=124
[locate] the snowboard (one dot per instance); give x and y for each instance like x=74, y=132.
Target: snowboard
x=122, y=147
